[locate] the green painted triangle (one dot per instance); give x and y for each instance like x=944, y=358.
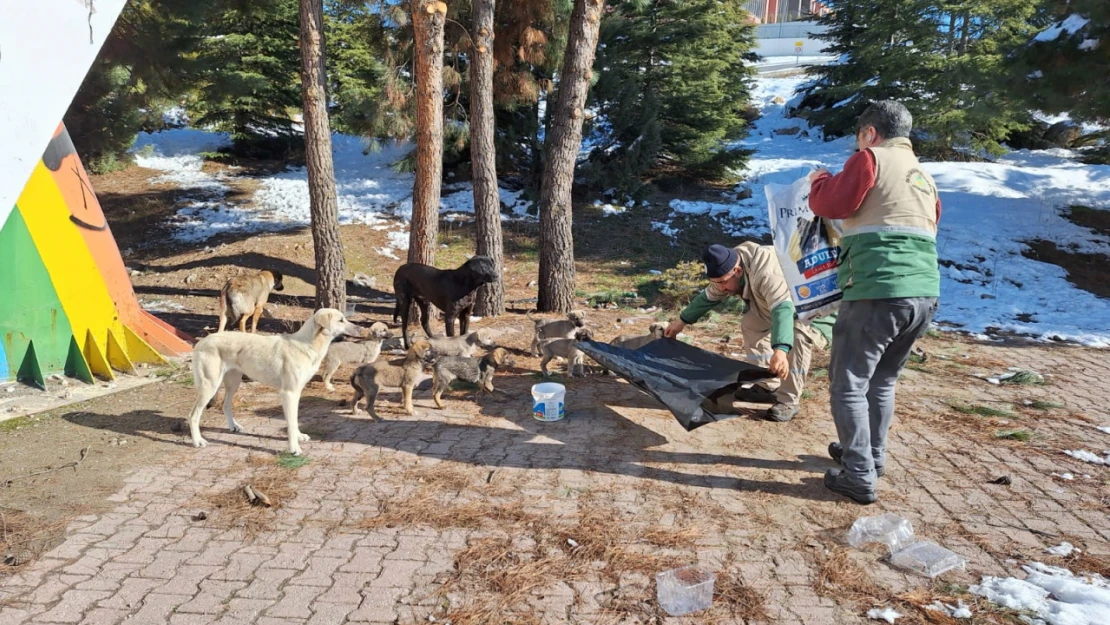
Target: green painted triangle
x=29, y=308
x=76, y=367
x=29, y=371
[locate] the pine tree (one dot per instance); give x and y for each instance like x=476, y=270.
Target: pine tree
x=428, y=18
x=487, y=200
x=673, y=88
x=331, y=267
x=251, y=75
x=146, y=64
x=556, y=288
x=945, y=60
x=1065, y=68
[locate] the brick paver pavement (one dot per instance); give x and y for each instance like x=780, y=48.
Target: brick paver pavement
x=750, y=489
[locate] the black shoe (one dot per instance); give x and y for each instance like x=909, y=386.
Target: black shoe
x=781, y=413
x=755, y=395
x=837, y=482
x=836, y=452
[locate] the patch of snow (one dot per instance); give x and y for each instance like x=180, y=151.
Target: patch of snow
x=1063, y=550
x=1071, y=25
x=609, y=209
x=961, y=610
x=1055, y=595
x=1088, y=44
x=1064, y=476
x=1105, y=429
x=1037, y=75
x=666, y=228
x=886, y=614
x=368, y=189
x=161, y=305
x=989, y=211
x=1086, y=456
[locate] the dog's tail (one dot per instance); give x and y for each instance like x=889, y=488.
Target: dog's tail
x=530, y=317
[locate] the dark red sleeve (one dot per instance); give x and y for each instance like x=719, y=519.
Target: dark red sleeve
x=837, y=197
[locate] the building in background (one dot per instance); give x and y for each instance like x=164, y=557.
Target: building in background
x=779, y=11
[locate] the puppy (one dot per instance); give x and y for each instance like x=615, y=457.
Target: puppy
x=462, y=345
x=477, y=370
x=244, y=296
x=655, y=331
x=451, y=291
x=556, y=328
x=367, y=380
x=566, y=348
x=354, y=352
x=284, y=361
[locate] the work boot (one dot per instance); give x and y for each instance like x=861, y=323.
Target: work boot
x=836, y=452
x=781, y=413
x=755, y=395
x=837, y=481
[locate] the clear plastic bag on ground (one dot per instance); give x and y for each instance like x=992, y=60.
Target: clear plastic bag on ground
x=927, y=558
x=808, y=249
x=889, y=529
x=684, y=590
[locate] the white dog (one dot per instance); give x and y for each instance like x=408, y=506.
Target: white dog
x=284, y=361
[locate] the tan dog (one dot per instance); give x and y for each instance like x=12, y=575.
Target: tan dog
x=284, y=361
x=354, y=352
x=477, y=370
x=556, y=328
x=655, y=331
x=464, y=345
x=245, y=296
x=367, y=380
x=568, y=349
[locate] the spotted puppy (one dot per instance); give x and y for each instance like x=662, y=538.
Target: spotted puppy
x=354, y=352
x=568, y=349
x=556, y=328
x=368, y=379
x=477, y=370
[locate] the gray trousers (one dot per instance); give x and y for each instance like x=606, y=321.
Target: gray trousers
x=872, y=340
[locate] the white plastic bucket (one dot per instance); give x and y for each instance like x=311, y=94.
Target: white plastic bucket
x=547, y=401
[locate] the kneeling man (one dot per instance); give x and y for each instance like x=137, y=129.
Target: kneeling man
x=773, y=337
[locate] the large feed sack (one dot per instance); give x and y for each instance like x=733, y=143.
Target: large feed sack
x=808, y=249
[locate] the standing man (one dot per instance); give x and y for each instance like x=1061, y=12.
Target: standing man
x=890, y=280
x=773, y=338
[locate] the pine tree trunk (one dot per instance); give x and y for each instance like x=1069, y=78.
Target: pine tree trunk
x=487, y=202
x=564, y=141
x=331, y=268
x=428, y=17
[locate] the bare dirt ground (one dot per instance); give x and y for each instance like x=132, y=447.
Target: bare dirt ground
x=478, y=514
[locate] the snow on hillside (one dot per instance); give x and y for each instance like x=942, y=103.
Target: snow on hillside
x=368, y=190
x=990, y=209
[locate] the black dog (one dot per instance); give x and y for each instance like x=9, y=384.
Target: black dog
x=451, y=291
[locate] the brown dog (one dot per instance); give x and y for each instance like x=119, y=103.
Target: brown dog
x=568, y=349
x=368, y=379
x=477, y=370
x=244, y=296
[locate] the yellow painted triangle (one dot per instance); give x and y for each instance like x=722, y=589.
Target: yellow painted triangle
x=117, y=357
x=139, y=350
x=97, y=363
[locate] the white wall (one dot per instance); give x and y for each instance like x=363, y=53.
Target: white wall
x=46, y=48
x=783, y=39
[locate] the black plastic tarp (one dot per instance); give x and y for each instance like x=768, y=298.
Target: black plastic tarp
x=679, y=375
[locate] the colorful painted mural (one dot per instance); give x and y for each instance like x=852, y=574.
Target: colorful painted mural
x=66, y=302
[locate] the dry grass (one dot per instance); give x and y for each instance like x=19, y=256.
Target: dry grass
x=732, y=598
x=23, y=538
x=839, y=577
x=230, y=508
x=913, y=604
x=427, y=510
x=673, y=538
